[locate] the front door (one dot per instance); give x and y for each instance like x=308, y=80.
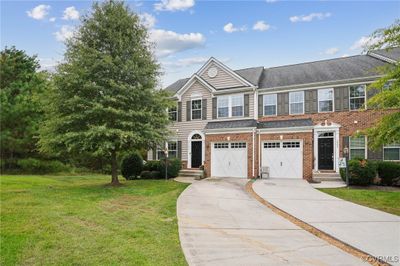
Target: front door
x=325, y=153
x=196, y=154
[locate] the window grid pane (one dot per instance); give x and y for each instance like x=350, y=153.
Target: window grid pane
x=296, y=108
x=357, y=147
x=196, y=109
x=270, y=110
x=296, y=100
x=391, y=154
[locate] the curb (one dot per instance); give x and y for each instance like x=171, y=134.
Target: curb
x=318, y=233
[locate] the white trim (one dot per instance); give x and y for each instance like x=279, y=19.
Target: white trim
x=324, y=128
x=290, y=109
x=365, y=97
x=255, y=105
x=276, y=104
x=228, y=130
x=203, y=147
x=234, y=90
x=230, y=105
x=365, y=147
x=333, y=100
x=190, y=82
x=201, y=109
x=317, y=85
x=382, y=57
x=397, y=146
x=224, y=67
x=285, y=130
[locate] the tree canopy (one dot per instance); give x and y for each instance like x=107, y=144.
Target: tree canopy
x=105, y=99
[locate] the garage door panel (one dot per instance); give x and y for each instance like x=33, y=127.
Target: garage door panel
x=229, y=159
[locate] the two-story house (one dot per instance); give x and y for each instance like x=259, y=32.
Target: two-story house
x=294, y=119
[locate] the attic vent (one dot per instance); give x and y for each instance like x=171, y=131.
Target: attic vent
x=212, y=72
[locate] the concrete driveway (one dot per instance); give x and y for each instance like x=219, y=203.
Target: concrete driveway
x=374, y=232
x=220, y=224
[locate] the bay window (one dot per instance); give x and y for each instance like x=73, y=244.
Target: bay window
x=357, y=97
x=296, y=102
x=270, y=104
x=325, y=100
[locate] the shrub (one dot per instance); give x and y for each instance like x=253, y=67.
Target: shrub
x=150, y=175
x=174, y=166
x=389, y=173
x=152, y=166
x=36, y=166
x=132, y=166
x=361, y=172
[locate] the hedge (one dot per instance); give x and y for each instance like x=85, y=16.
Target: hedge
x=361, y=172
x=389, y=173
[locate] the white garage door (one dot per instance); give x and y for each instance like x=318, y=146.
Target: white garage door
x=284, y=158
x=229, y=159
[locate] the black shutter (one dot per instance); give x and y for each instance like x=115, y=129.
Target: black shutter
x=338, y=98
x=260, y=105
x=180, y=149
x=314, y=106
x=308, y=101
x=345, y=98
x=154, y=150
x=188, y=110
x=345, y=144
x=214, y=108
x=179, y=111
x=204, y=109
x=375, y=154
x=246, y=105
x=283, y=103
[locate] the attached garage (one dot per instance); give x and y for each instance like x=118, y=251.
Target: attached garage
x=284, y=158
x=229, y=159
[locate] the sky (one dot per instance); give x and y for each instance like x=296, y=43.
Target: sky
x=186, y=33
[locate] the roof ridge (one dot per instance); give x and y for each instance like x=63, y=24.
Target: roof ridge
x=249, y=68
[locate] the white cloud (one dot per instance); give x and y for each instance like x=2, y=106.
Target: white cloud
x=331, y=51
x=48, y=64
x=261, y=26
x=52, y=19
x=70, y=13
x=185, y=62
x=363, y=42
x=64, y=33
x=310, y=17
x=230, y=28
x=39, y=12
x=174, y=5
x=170, y=42
x=148, y=20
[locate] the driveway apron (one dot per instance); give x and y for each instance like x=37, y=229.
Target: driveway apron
x=220, y=224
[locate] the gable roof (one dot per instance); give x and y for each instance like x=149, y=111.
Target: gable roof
x=392, y=54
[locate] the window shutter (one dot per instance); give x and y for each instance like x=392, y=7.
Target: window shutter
x=188, y=110
x=154, y=150
x=375, y=154
x=339, y=98
x=204, y=109
x=345, y=144
x=214, y=108
x=179, y=111
x=314, y=106
x=246, y=105
x=308, y=101
x=371, y=92
x=260, y=105
x=283, y=103
x=345, y=98
x=180, y=150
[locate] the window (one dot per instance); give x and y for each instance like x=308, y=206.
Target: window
x=196, y=109
x=357, y=97
x=292, y=144
x=237, y=105
x=325, y=100
x=272, y=145
x=391, y=152
x=230, y=106
x=238, y=145
x=221, y=145
x=173, y=114
x=357, y=147
x=296, y=102
x=172, y=151
x=269, y=104
x=223, y=106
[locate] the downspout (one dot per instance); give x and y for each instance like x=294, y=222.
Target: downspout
x=253, y=152
x=259, y=153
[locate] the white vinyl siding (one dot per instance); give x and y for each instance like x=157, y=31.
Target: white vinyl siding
x=296, y=102
x=230, y=106
x=391, y=152
x=357, y=147
x=357, y=97
x=270, y=104
x=222, y=80
x=325, y=100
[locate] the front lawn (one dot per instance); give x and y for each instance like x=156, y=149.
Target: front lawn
x=77, y=220
x=387, y=201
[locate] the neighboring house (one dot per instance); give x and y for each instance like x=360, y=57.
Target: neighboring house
x=295, y=119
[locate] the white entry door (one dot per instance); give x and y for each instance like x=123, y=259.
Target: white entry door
x=284, y=158
x=229, y=159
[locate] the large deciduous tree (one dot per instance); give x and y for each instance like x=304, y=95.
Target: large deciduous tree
x=105, y=99
x=387, y=130
x=21, y=85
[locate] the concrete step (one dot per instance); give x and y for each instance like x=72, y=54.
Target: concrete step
x=190, y=177
x=326, y=176
x=191, y=173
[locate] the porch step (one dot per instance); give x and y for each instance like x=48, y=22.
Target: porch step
x=326, y=176
x=194, y=173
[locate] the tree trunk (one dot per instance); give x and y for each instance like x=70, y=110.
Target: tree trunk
x=114, y=168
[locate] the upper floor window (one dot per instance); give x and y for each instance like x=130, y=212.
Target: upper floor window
x=270, y=104
x=357, y=147
x=230, y=106
x=391, y=152
x=296, y=102
x=325, y=100
x=357, y=97
x=196, y=109
x=173, y=113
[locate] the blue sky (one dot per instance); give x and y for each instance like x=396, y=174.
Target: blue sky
x=187, y=32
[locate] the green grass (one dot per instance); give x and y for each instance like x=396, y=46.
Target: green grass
x=387, y=201
x=78, y=220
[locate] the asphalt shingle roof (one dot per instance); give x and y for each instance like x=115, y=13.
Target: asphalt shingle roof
x=286, y=123
x=231, y=124
x=393, y=53
x=252, y=74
